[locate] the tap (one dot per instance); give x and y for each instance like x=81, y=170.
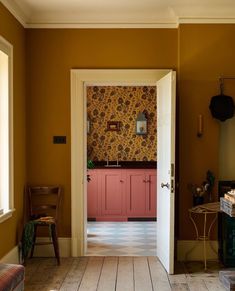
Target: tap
x=107, y=160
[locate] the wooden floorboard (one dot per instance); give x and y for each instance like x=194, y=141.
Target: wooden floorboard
x=125, y=274
x=118, y=274
x=158, y=275
x=75, y=274
x=108, y=275
x=92, y=273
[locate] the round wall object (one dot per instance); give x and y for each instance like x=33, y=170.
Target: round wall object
x=222, y=107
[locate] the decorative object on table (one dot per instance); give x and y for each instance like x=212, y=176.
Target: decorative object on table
x=227, y=203
x=222, y=106
x=199, y=192
x=227, y=206
x=141, y=124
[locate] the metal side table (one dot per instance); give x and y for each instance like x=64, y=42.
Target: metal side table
x=205, y=210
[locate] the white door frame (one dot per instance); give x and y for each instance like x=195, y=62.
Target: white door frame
x=79, y=80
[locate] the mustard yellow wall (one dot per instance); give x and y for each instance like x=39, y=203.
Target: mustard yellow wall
x=200, y=53
x=51, y=53
x=12, y=31
x=205, y=53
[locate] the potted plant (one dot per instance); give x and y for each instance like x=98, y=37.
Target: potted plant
x=90, y=165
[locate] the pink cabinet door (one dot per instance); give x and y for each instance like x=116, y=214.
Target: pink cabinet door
x=93, y=194
x=152, y=192
x=112, y=182
x=136, y=193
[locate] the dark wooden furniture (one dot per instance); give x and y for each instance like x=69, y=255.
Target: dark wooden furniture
x=44, y=203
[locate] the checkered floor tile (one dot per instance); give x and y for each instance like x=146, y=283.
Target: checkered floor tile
x=121, y=238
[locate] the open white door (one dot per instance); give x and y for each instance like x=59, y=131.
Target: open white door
x=166, y=95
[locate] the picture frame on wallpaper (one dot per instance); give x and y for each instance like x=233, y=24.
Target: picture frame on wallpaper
x=113, y=125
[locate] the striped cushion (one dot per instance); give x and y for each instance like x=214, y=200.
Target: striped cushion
x=11, y=277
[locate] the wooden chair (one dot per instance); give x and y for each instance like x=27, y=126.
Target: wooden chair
x=44, y=203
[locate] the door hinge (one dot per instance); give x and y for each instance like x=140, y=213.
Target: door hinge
x=172, y=185
x=172, y=170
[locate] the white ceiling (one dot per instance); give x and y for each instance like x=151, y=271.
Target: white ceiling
x=120, y=13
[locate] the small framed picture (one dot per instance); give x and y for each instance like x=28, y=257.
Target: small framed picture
x=113, y=125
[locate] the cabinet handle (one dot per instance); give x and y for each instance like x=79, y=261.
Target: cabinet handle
x=144, y=181
x=121, y=181
x=148, y=181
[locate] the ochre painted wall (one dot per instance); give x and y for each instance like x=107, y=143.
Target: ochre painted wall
x=51, y=54
x=200, y=53
x=205, y=53
x=121, y=104
x=13, y=32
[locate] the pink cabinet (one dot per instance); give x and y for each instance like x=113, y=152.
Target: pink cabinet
x=141, y=193
x=93, y=203
x=119, y=194
x=112, y=196
x=152, y=193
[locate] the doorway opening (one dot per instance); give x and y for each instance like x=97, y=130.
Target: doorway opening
x=121, y=161
x=165, y=181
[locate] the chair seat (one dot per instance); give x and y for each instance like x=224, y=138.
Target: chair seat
x=11, y=277
x=45, y=220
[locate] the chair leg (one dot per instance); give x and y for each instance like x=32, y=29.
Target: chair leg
x=55, y=242
x=34, y=240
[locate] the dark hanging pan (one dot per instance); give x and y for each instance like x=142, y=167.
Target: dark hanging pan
x=222, y=106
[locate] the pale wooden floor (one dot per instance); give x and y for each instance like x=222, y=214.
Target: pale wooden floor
x=118, y=273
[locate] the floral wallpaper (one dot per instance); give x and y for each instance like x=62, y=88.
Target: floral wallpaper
x=121, y=104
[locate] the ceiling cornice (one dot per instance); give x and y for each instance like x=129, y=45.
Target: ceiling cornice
x=97, y=25
x=15, y=11
x=21, y=16
x=205, y=20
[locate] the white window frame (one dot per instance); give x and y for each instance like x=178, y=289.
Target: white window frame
x=7, y=48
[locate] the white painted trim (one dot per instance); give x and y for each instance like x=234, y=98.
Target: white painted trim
x=48, y=250
x=7, y=48
x=11, y=257
x=198, y=20
x=98, y=25
x=15, y=11
x=187, y=252
x=6, y=215
x=87, y=84
x=79, y=78
x=23, y=17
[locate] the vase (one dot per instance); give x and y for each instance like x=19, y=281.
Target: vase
x=198, y=200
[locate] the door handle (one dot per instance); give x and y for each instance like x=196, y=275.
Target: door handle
x=165, y=185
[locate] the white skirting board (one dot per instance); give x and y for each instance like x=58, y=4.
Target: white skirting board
x=183, y=247
x=191, y=250
x=12, y=257
x=40, y=251
x=48, y=250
